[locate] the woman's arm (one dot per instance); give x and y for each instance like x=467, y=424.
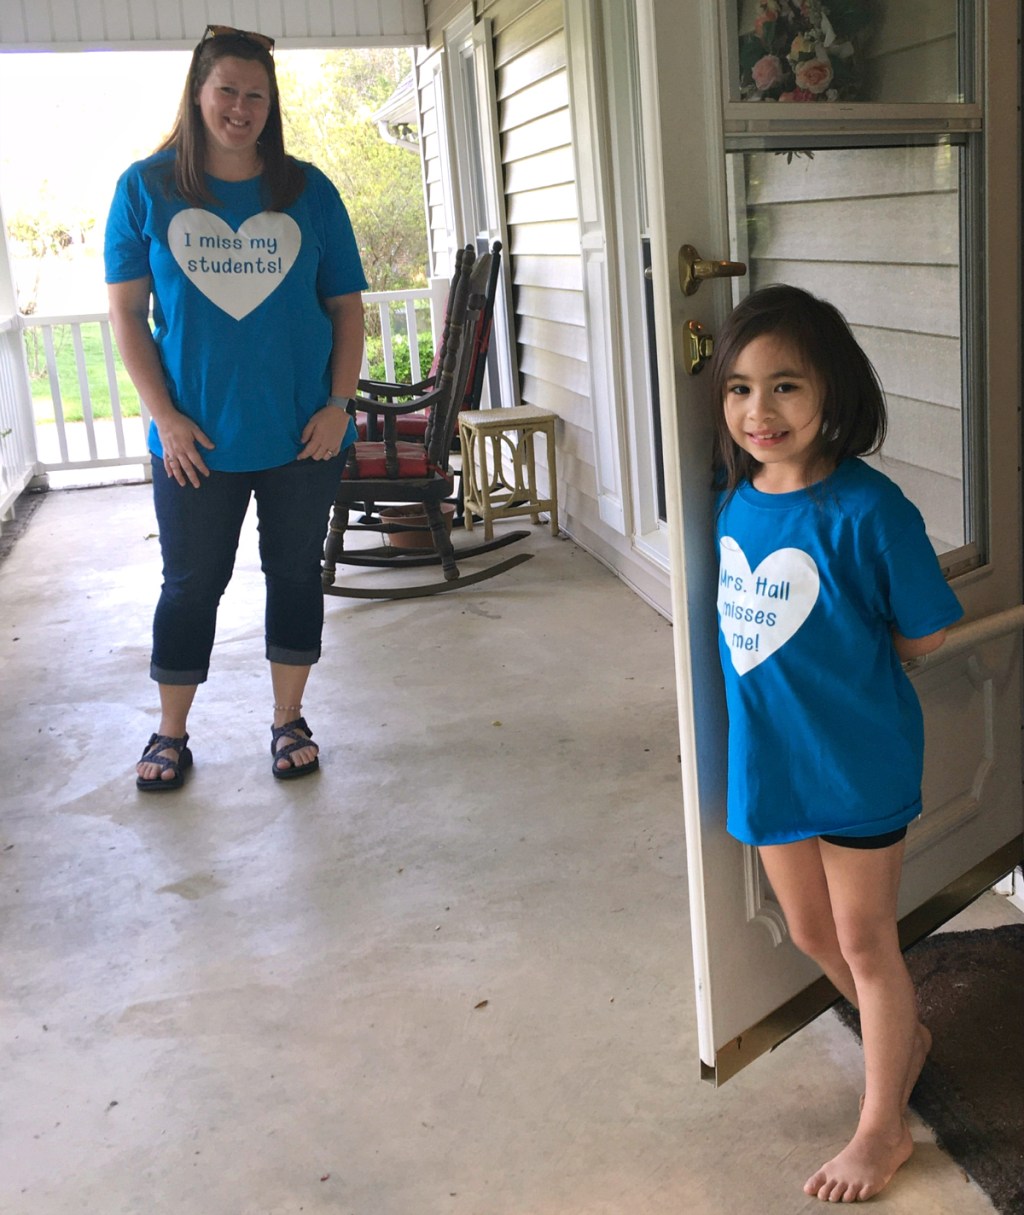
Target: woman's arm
x=916, y=647
x=129, y=318
x=346, y=313
x=325, y=430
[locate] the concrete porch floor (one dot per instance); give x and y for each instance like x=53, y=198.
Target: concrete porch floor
x=449, y=975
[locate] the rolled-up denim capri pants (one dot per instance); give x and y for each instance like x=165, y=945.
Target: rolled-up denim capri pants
x=199, y=533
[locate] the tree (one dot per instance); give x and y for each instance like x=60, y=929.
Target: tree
x=43, y=234
x=327, y=121
x=37, y=238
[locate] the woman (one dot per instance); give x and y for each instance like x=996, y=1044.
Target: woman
x=256, y=345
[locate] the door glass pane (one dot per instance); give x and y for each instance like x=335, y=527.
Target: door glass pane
x=877, y=231
x=881, y=51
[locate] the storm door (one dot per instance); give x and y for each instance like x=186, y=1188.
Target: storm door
x=871, y=156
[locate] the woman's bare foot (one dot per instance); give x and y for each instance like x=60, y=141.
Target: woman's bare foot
x=863, y=1168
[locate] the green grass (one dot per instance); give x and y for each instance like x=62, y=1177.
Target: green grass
x=96, y=371
x=67, y=375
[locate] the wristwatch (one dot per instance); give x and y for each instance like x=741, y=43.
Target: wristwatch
x=345, y=403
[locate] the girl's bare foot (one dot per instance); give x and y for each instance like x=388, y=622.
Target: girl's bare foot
x=863, y=1168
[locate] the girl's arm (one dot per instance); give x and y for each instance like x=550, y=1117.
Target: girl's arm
x=129, y=318
x=916, y=647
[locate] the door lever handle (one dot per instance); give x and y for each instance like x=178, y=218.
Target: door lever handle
x=694, y=269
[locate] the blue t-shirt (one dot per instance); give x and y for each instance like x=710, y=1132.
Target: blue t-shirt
x=238, y=292
x=825, y=730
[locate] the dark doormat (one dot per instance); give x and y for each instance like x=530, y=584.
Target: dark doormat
x=24, y=508
x=970, y=989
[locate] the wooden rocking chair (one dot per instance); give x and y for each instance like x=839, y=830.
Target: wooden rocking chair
x=417, y=472
x=414, y=425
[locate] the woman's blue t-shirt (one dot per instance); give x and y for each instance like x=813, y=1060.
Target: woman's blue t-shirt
x=238, y=293
x=825, y=729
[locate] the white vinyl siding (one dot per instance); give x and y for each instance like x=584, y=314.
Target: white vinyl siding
x=538, y=173
x=880, y=240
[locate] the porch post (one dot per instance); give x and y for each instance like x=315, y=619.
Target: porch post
x=438, y=299
x=18, y=454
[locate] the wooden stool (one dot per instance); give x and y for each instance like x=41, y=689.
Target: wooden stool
x=511, y=433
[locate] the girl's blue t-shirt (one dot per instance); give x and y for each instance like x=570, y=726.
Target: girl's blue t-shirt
x=238, y=315
x=825, y=729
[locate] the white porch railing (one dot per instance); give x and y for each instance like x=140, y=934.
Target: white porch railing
x=38, y=437
x=17, y=438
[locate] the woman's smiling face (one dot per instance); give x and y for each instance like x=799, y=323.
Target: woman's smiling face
x=774, y=404
x=234, y=101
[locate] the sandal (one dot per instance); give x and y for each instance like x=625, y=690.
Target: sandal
x=292, y=730
x=179, y=766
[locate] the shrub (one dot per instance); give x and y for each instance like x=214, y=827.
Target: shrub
x=402, y=357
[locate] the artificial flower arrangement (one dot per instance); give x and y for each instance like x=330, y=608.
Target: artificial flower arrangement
x=803, y=50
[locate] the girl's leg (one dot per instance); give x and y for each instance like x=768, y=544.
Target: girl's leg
x=863, y=885
x=797, y=877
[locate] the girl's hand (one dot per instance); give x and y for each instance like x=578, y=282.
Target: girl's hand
x=182, y=459
x=324, y=433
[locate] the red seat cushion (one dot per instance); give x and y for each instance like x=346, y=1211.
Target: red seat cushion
x=407, y=425
x=368, y=460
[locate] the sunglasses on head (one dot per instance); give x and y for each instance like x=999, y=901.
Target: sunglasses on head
x=229, y=31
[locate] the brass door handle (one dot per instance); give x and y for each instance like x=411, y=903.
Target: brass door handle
x=693, y=269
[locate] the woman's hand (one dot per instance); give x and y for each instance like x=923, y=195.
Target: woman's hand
x=324, y=433
x=182, y=458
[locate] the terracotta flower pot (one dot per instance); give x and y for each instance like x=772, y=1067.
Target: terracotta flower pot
x=417, y=516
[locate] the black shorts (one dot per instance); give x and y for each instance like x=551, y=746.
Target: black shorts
x=866, y=841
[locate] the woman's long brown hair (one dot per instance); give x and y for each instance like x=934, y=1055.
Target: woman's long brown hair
x=283, y=179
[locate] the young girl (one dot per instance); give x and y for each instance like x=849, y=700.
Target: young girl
x=827, y=584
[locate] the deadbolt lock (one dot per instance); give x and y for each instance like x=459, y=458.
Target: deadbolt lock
x=699, y=347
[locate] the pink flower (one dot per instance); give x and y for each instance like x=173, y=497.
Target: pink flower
x=768, y=14
x=813, y=75
x=767, y=72
x=796, y=95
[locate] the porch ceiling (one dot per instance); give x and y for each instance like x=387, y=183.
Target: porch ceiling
x=78, y=25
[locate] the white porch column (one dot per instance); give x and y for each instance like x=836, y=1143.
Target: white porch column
x=18, y=456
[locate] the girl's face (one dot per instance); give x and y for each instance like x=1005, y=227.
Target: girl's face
x=234, y=101
x=773, y=409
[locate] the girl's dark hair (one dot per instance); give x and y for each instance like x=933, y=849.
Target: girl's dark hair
x=283, y=179
x=853, y=417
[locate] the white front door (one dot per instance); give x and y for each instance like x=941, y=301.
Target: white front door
x=901, y=207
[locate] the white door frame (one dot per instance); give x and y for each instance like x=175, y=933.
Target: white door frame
x=474, y=158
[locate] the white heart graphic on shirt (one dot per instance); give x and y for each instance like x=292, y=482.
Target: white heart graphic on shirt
x=760, y=610
x=234, y=270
